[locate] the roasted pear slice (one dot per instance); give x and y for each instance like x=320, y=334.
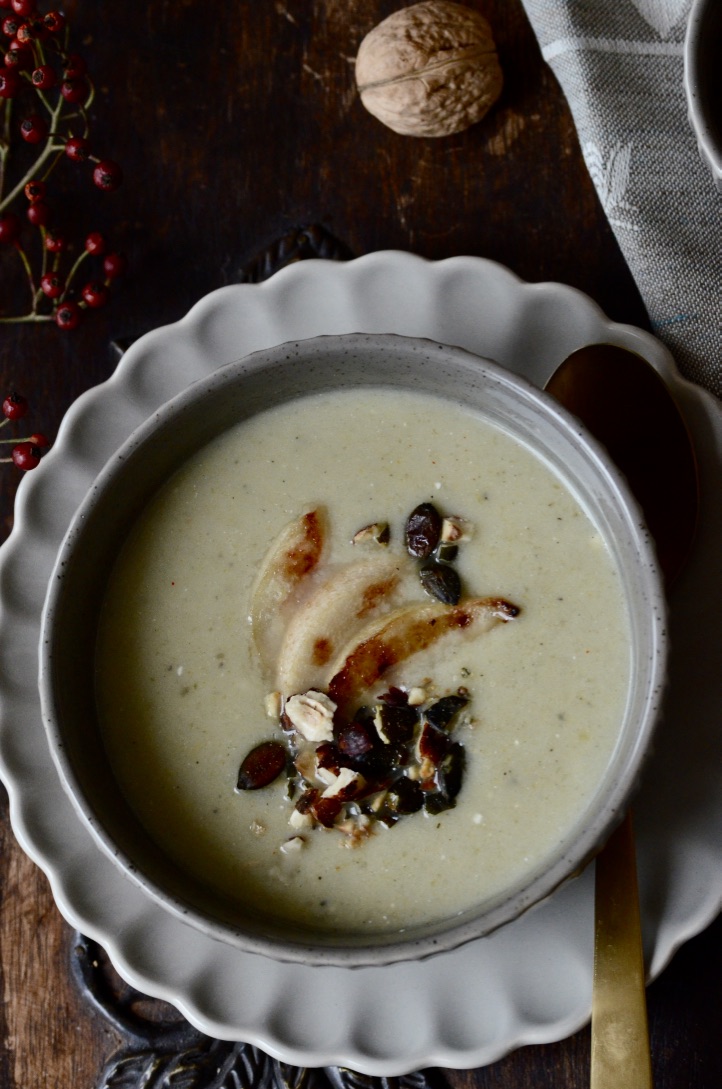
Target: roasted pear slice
x=290, y=561
x=406, y=631
x=331, y=617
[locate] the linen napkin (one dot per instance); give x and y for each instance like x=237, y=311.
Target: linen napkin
x=620, y=65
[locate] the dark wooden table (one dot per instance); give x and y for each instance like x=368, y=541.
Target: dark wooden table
x=238, y=125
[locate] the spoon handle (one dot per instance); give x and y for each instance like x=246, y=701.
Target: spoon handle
x=620, y=1036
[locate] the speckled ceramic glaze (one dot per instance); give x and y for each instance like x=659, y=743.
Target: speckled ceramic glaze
x=703, y=83
x=234, y=393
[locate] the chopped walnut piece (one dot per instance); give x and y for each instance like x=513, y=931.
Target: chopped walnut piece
x=454, y=528
x=355, y=830
x=291, y=846
x=274, y=705
x=378, y=533
x=427, y=769
x=347, y=784
x=305, y=763
x=257, y=828
x=311, y=713
x=325, y=775
x=300, y=820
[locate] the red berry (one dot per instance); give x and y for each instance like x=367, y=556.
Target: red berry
x=51, y=285
x=75, y=90
x=67, y=316
x=25, y=34
x=15, y=406
x=38, y=213
x=38, y=439
x=23, y=7
x=26, y=455
x=74, y=67
x=114, y=265
x=107, y=175
x=55, y=242
x=9, y=227
x=10, y=26
x=34, y=129
x=35, y=190
x=77, y=149
x=54, y=21
x=95, y=243
x=9, y=82
x=44, y=77
x=95, y=294
x=18, y=57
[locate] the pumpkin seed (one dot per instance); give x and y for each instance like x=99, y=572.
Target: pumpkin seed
x=441, y=581
x=261, y=766
x=423, y=530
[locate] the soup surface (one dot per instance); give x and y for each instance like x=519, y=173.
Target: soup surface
x=183, y=693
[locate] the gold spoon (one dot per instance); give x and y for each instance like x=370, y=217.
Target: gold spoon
x=627, y=406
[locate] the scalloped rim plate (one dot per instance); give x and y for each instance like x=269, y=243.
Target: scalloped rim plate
x=529, y=982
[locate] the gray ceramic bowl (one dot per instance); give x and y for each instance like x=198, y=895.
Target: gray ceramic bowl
x=145, y=462
x=703, y=81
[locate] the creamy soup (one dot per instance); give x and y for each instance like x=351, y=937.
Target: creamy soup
x=185, y=692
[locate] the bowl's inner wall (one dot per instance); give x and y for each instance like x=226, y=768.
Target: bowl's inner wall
x=127, y=484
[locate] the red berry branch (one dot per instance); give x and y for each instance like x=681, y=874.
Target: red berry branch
x=26, y=453
x=45, y=94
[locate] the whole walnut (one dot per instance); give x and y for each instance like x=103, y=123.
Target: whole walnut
x=430, y=69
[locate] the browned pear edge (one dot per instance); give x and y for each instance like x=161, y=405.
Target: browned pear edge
x=292, y=558
x=407, y=631
x=332, y=616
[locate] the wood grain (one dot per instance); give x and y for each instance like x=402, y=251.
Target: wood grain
x=237, y=124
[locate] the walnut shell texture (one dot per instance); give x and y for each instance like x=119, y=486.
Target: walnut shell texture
x=430, y=69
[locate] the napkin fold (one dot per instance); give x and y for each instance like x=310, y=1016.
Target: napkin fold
x=620, y=66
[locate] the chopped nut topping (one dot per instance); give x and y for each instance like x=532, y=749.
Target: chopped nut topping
x=427, y=768
x=454, y=528
x=292, y=845
x=345, y=785
x=355, y=767
x=312, y=715
x=257, y=828
x=274, y=705
x=390, y=761
x=355, y=830
x=378, y=533
x=305, y=763
x=300, y=820
x=325, y=775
